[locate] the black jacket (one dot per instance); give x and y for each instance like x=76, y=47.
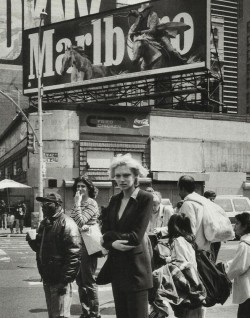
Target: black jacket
x=58, y=249
x=131, y=270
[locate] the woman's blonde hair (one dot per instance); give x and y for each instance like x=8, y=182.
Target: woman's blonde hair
x=127, y=160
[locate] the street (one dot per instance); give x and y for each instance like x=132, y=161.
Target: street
x=21, y=291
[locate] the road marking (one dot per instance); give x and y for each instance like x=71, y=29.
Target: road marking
x=2, y=252
x=34, y=283
x=5, y=259
x=106, y=288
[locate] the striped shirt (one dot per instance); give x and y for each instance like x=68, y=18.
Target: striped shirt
x=86, y=214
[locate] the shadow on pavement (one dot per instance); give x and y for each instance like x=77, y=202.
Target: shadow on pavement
x=37, y=310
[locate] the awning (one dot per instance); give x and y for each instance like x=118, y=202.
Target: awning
x=98, y=184
x=175, y=176
x=103, y=184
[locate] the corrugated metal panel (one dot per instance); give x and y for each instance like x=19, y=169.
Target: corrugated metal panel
x=228, y=9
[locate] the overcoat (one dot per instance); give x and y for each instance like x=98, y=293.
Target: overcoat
x=130, y=270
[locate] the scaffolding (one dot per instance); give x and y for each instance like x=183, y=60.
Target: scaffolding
x=190, y=88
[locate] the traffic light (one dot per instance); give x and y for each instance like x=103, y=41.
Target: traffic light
x=31, y=142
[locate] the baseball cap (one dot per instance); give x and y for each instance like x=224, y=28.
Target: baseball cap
x=144, y=6
x=50, y=197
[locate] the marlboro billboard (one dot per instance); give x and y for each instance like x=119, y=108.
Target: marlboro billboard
x=157, y=37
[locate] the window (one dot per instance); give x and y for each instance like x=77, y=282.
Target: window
x=14, y=168
x=225, y=204
x=99, y=159
x=241, y=205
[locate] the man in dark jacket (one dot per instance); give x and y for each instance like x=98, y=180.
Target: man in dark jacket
x=20, y=214
x=58, y=251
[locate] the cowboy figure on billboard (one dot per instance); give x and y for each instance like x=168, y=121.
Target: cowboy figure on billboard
x=147, y=26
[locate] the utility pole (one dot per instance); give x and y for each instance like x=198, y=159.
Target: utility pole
x=43, y=14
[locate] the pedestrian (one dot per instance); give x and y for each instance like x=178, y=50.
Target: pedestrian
x=85, y=213
x=182, y=244
x=58, y=251
x=215, y=246
x=238, y=269
x=3, y=215
x=128, y=265
x=178, y=206
x=11, y=221
x=193, y=210
x=158, y=223
x=20, y=216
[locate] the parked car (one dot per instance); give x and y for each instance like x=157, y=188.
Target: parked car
x=233, y=204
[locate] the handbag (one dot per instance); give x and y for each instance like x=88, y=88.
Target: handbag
x=105, y=275
x=92, y=240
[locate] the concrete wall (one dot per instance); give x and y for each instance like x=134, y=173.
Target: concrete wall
x=220, y=148
x=61, y=130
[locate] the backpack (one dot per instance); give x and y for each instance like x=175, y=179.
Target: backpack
x=217, y=284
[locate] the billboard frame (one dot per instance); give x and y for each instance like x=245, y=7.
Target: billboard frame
x=128, y=76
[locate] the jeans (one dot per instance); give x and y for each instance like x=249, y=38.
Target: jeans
x=87, y=288
x=4, y=221
x=58, y=305
x=19, y=224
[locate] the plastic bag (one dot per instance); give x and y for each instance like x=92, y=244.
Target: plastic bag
x=217, y=225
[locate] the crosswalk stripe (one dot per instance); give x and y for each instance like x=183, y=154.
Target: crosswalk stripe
x=106, y=288
x=2, y=252
x=4, y=259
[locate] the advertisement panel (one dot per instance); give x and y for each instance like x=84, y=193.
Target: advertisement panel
x=156, y=36
x=17, y=15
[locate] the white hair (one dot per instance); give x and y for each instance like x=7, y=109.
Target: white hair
x=127, y=160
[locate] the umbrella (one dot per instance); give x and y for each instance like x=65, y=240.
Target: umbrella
x=8, y=183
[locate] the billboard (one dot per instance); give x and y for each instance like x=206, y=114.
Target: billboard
x=16, y=15
x=156, y=37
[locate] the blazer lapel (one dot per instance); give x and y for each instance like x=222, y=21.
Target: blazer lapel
x=131, y=206
x=115, y=209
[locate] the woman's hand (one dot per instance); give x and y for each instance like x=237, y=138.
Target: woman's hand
x=78, y=198
x=120, y=245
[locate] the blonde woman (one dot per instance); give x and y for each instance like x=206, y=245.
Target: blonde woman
x=124, y=226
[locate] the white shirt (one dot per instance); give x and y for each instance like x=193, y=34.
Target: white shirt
x=194, y=211
x=239, y=270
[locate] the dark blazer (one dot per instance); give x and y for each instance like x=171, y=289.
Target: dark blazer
x=131, y=270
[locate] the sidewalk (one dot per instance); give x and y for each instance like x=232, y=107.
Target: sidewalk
x=6, y=233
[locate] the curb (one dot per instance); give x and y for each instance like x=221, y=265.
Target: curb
x=13, y=235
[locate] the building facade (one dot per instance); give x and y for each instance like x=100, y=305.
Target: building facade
x=213, y=148
x=244, y=58
x=227, y=11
